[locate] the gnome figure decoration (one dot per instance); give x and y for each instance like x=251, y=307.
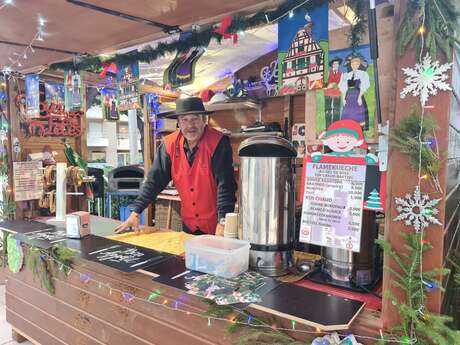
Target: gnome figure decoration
x=342, y=137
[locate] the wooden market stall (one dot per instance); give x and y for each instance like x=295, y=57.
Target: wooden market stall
x=92, y=302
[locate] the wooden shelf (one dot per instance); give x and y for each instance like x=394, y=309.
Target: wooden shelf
x=252, y=134
x=246, y=104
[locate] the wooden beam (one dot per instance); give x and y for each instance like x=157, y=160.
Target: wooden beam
x=397, y=186
x=148, y=156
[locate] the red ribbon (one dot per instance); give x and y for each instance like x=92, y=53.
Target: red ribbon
x=108, y=67
x=222, y=29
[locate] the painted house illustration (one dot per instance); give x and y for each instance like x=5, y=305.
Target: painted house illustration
x=304, y=63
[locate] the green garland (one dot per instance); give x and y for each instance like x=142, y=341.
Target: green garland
x=251, y=333
x=46, y=264
x=433, y=21
x=416, y=321
x=203, y=37
x=405, y=136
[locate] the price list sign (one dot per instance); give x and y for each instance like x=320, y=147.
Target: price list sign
x=333, y=205
x=28, y=180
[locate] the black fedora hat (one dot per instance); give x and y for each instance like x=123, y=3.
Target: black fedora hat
x=189, y=106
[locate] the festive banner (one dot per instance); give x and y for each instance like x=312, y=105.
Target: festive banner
x=302, y=49
x=32, y=96
x=54, y=93
x=128, y=87
x=181, y=71
x=110, y=104
x=349, y=93
x=73, y=90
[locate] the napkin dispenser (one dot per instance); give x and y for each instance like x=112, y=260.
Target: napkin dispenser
x=77, y=224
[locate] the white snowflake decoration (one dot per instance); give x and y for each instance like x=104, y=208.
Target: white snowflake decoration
x=417, y=210
x=426, y=79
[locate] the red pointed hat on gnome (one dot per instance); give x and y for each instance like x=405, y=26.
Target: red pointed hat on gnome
x=348, y=127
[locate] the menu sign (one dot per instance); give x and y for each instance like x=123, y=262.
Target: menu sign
x=333, y=205
x=28, y=180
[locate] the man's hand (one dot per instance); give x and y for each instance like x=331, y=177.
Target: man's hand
x=132, y=223
x=219, y=230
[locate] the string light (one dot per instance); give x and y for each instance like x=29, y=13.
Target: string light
x=421, y=29
x=23, y=55
x=291, y=14
x=130, y=297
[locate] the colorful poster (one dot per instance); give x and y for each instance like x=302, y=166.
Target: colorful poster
x=73, y=94
x=182, y=69
x=54, y=93
x=128, y=87
x=110, y=104
x=333, y=205
x=28, y=180
x=302, y=50
x=32, y=96
x=349, y=91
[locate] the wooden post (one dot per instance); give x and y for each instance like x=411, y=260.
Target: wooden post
x=148, y=156
x=397, y=186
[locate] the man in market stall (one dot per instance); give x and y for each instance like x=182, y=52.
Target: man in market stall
x=198, y=159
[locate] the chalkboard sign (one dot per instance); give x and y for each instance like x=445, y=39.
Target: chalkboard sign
x=121, y=256
x=23, y=226
x=43, y=238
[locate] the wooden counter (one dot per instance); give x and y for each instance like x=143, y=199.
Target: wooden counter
x=92, y=310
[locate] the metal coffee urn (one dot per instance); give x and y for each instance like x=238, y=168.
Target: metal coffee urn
x=267, y=202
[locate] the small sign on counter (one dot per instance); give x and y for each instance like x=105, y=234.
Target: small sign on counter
x=28, y=180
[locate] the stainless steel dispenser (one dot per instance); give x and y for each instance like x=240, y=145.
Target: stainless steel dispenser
x=267, y=202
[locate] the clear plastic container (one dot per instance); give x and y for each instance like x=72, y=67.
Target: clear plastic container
x=224, y=257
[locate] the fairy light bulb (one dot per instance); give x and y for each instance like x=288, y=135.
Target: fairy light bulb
x=291, y=14
x=421, y=29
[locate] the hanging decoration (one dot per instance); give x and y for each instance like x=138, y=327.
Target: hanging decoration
x=32, y=96
x=55, y=121
x=73, y=90
x=223, y=29
x=181, y=71
x=54, y=93
x=429, y=25
x=108, y=67
x=302, y=50
x=350, y=89
x=200, y=38
x=425, y=79
x=417, y=210
x=15, y=254
x=110, y=104
x=128, y=87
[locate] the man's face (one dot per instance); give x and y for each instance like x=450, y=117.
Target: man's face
x=191, y=126
x=335, y=66
x=342, y=142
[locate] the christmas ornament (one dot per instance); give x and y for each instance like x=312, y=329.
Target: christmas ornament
x=417, y=210
x=425, y=79
x=15, y=254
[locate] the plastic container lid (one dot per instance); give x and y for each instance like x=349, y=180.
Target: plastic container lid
x=267, y=146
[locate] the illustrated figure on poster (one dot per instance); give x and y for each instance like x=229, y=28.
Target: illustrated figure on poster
x=76, y=84
x=332, y=93
x=353, y=85
x=113, y=107
x=342, y=137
